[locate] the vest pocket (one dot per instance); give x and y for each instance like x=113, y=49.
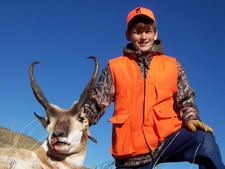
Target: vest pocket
x=164, y=112
x=122, y=142
x=166, y=121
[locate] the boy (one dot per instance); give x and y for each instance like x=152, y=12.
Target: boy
x=155, y=119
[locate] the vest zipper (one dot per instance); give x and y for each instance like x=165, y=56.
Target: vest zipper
x=146, y=68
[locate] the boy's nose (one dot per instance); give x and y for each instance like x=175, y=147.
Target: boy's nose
x=143, y=35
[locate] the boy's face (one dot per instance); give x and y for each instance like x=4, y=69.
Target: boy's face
x=142, y=39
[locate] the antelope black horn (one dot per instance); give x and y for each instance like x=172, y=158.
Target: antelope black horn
x=84, y=96
x=36, y=89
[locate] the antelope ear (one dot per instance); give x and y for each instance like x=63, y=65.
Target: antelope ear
x=42, y=120
x=86, y=128
x=90, y=137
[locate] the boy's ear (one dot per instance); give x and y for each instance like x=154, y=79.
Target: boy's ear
x=156, y=35
x=127, y=35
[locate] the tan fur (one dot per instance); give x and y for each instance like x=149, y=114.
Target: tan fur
x=65, y=147
x=45, y=157
x=48, y=156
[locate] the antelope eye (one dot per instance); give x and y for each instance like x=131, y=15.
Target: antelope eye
x=81, y=119
x=47, y=120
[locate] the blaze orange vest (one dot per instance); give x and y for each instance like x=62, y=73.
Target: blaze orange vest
x=143, y=109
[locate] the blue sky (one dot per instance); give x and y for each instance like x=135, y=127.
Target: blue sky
x=61, y=34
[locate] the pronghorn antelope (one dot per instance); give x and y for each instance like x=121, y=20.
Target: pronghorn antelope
x=65, y=147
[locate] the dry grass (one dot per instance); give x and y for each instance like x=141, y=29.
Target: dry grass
x=9, y=138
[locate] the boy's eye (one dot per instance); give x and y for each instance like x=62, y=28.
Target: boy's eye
x=147, y=32
x=138, y=32
x=150, y=31
x=134, y=31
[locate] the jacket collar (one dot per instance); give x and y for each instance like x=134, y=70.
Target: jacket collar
x=130, y=51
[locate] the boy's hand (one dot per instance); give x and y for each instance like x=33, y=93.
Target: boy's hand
x=196, y=124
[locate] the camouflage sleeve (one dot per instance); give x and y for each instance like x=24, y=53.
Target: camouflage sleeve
x=184, y=98
x=100, y=97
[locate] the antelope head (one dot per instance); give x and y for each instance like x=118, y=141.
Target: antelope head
x=68, y=129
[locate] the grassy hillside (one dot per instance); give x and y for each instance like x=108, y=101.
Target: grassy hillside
x=9, y=138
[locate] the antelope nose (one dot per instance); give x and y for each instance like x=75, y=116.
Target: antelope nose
x=59, y=133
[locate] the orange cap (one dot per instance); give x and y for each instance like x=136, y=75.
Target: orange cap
x=140, y=11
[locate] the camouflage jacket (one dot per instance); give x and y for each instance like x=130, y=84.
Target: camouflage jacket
x=103, y=94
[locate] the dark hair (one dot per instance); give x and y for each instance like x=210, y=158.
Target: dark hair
x=141, y=22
